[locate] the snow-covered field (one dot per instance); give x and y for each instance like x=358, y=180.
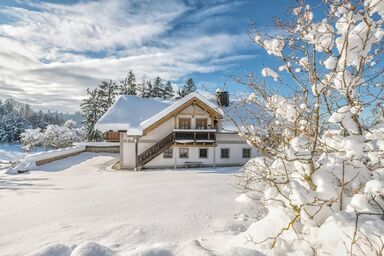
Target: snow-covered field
x=11, y=152
x=154, y=212
x=14, y=152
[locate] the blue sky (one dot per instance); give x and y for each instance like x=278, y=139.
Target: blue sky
x=51, y=51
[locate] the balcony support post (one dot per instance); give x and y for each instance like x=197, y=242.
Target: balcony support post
x=136, y=140
x=214, y=156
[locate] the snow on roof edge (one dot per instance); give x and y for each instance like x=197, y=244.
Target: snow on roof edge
x=121, y=117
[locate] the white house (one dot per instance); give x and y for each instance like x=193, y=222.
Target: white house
x=191, y=131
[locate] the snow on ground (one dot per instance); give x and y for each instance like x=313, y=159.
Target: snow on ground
x=80, y=204
x=11, y=152
x=14, y=152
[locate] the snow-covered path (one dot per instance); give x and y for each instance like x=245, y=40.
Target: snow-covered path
x=80, y=199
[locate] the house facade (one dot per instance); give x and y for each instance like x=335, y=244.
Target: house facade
x=188, y=132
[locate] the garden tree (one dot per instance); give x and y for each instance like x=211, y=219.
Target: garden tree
x=187, y=88
x=157, y=88
x=318, y=181
x=107, y=92
x=92, y=110
x=128, y=85
x=167, y=91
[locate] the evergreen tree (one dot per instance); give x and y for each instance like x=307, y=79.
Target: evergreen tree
x=107, y=92
x=157, y=88
x=92, y=110
x=11, y=126
x=187, y=88
x=168, y=91
x=15, y=117
x=128, y=84
x=148, y=90
x=141, y=87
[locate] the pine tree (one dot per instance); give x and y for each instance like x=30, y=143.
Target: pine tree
x=148, y=90
x=128, y=84
x=12, y=124
x=187, y=88
x=157, y=88
x=91, y=110
x=107, y=93
x=141, y=87
x=168, y=91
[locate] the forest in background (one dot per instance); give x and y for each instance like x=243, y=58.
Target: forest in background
x=16, y=117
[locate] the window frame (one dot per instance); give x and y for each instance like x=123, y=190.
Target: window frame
x=249, y=152
x=187, y=153
x=167, y=156
x=221, y=153
x=205, y=157
x=205, y=122
x=184, y=119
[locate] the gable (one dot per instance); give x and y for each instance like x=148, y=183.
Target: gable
x=191, y=104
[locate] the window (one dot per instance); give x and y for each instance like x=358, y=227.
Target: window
x=168, y=153
x=184, y=123
x=246, y=152
x=201, y=123
x=183, y=152
x=203, y=152
x=225, y=153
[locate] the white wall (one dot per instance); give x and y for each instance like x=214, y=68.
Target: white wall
x=160, y=161
x=232, y=141
x=235, y=144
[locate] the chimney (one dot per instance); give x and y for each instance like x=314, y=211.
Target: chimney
x=222, y=98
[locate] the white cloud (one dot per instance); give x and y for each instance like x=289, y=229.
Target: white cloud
x=53, y=52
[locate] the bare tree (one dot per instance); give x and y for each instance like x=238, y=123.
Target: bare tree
x=319, y=172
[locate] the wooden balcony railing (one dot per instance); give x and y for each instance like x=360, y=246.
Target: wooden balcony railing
x=186, y=136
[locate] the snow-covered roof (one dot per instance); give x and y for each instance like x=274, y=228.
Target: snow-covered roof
x=134, y=114
x=128, y=112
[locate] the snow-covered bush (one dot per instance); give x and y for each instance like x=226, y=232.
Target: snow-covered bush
x=322, y=186
x=54, y=136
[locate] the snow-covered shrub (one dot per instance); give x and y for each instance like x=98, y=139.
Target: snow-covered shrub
x=31, y=138
x=54, y=136
x=322, y=184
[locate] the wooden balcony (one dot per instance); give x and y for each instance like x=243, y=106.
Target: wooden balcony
x=195, y=136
